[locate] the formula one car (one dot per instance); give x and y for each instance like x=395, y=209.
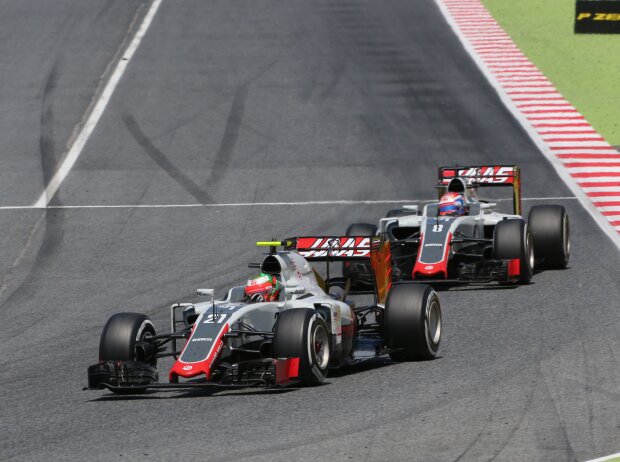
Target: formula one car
x=312, y=326
x=465, y=240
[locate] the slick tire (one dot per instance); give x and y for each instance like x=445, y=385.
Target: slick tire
x=412, y=322
x=512, y=239
x=121, y=336
x=359, y=273
x=551, y=233
x=302, y=333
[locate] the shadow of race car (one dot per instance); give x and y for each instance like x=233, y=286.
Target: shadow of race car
x=313, y=326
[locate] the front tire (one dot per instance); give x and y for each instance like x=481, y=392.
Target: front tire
x=412, y=322
x=302, y=333
x=551, y=232
x=123, y=339
x=512, y=239
x=121, y=336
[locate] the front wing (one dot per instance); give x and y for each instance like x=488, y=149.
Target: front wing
x=136, y=376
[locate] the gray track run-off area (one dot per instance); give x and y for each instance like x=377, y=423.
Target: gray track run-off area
x=259, y=101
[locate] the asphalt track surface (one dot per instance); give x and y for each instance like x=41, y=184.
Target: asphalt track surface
x=237, y=101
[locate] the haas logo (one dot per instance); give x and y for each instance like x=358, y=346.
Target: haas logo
x=488, y=174
x=357, y=246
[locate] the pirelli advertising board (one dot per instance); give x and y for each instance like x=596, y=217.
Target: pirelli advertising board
x=597, y=17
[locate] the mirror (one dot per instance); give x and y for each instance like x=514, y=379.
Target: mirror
x=411, y=208
x=206, y=293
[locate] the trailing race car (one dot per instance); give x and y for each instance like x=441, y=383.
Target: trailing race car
x=461, y=239
x=287, y=326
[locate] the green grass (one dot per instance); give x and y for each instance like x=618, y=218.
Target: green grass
x=585, y=68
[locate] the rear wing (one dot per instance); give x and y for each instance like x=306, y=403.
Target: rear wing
x=372, y=251
x=326, y=248
x=484, y=176
x=332, y=248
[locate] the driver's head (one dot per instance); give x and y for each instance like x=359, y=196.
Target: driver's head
x=452, y=205
x=263, y=288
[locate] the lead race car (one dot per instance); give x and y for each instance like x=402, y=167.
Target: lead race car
x=462, y=239
x=305, y=326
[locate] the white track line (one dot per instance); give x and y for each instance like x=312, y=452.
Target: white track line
x=602, y=459
x=531, y=116
x=258, y=204
x=89, y=126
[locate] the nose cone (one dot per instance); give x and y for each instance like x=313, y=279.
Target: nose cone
x=430, y=271
x=200, y=351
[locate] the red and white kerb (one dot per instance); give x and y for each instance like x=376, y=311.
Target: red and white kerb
x=585, y=155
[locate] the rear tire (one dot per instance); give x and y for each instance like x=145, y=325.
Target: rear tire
x=121, y=335
x=412, y=322
x=359, y=273
x=512, y=239
x=551, y=233
x=302, y=333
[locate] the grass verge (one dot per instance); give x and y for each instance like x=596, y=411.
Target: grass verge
x=584, y=68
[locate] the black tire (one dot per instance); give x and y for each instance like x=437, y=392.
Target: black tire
x=551, y=233
x=513, y=239
x=412, y=322
x=360, y=273
x=121, y=335
x=302, y=333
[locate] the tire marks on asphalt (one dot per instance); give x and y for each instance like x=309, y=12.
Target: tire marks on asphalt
x=77, y=146
x=34, y=231
x=163, y=162
x=51, y=244
x=231, y=134
x=47, y=145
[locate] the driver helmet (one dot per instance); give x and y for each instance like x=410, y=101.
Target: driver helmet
x=263, y=288
x=452, y=205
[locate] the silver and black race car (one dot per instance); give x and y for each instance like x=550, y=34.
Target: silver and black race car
x=479, y=246
x=314, y=325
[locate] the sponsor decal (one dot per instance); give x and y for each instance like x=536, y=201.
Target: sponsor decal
x=433, y=245
x=428, y=267
x=213, y=318
x=202, y=339
x=489, y=174
x=187, y=368
x=314, y=247
x=295, y=291
x=597, y=17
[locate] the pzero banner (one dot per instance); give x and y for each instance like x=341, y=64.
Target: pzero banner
x=597, y=17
